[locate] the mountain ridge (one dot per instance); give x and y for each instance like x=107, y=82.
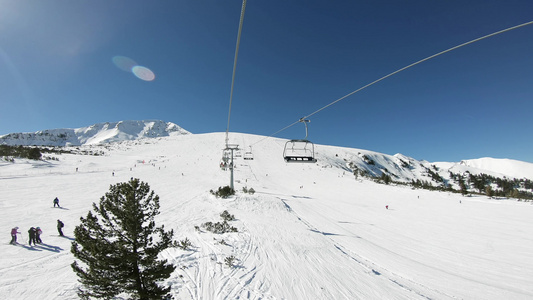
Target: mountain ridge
x=99, y=133
x=399, y=167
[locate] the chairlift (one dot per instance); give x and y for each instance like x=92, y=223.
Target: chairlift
x=226, y=159
x=300, y=150
x=248, y=155
x=223, y=165
x=226, y=155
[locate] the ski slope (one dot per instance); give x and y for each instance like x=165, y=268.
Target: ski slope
x=311, y=231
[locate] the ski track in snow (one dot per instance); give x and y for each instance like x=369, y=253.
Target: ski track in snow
x=370, y=267
x=311, y=231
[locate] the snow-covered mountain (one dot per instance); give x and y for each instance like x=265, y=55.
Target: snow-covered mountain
x=402, y=168
x=399, y=167
x=503, y=166
x=100, y=133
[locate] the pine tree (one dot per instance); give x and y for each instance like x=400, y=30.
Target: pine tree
x=462, y=186
x=34, y=153
x=119, y=245
x=385, y=178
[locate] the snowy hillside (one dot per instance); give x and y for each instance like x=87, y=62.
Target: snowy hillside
x=507, y=167
x=400, y=167
x=96, y=134
x=404, y=169
x=311, y=231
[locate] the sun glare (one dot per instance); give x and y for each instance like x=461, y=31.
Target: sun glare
x=124, y=63
x=143, y=73
x=129, y=65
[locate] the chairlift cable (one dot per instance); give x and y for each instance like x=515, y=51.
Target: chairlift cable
x=235, y=66
x=396, y=72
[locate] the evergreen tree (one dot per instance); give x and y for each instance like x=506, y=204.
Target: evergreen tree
x=385, y=178
x=119, y=245
x=462, y=186
x=34, y=153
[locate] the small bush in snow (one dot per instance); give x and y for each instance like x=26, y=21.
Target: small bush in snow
x=230, y=261
x=226, y=216
x=184, y=244
x=219, y=227
x=250, y=191
x=223, y=192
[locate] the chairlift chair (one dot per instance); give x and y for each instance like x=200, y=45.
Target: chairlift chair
x=248, y=155
x=299, y=151
x=223, y=165
x=225, y=161
x=226, y=156
x=302, y=151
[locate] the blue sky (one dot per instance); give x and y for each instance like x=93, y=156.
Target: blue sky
x=57, y=70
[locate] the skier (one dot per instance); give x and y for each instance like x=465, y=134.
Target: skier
x=14, y=232
x=31, y=232
x=60, y=226
x=38, y=233
x=386, y=206
x=56, y=202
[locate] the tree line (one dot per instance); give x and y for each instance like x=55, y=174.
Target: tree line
x=21, y=152
x=467, y=183
x=36, y=152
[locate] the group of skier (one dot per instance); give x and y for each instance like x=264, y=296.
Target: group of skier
x=35, y=232
x=35, y=235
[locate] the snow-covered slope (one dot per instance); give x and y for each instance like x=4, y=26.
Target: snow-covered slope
x=400, y=167
x=311, y=231
x=506, y=167
x=95, y=134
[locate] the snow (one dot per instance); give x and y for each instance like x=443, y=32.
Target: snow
x=311, y=231
x=509, y=167
x=501, y=168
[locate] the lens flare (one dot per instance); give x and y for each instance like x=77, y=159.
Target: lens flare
x=143, y=73
x=129, y=65
x=124, y=63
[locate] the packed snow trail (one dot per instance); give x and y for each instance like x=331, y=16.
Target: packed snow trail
x=421, y=239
